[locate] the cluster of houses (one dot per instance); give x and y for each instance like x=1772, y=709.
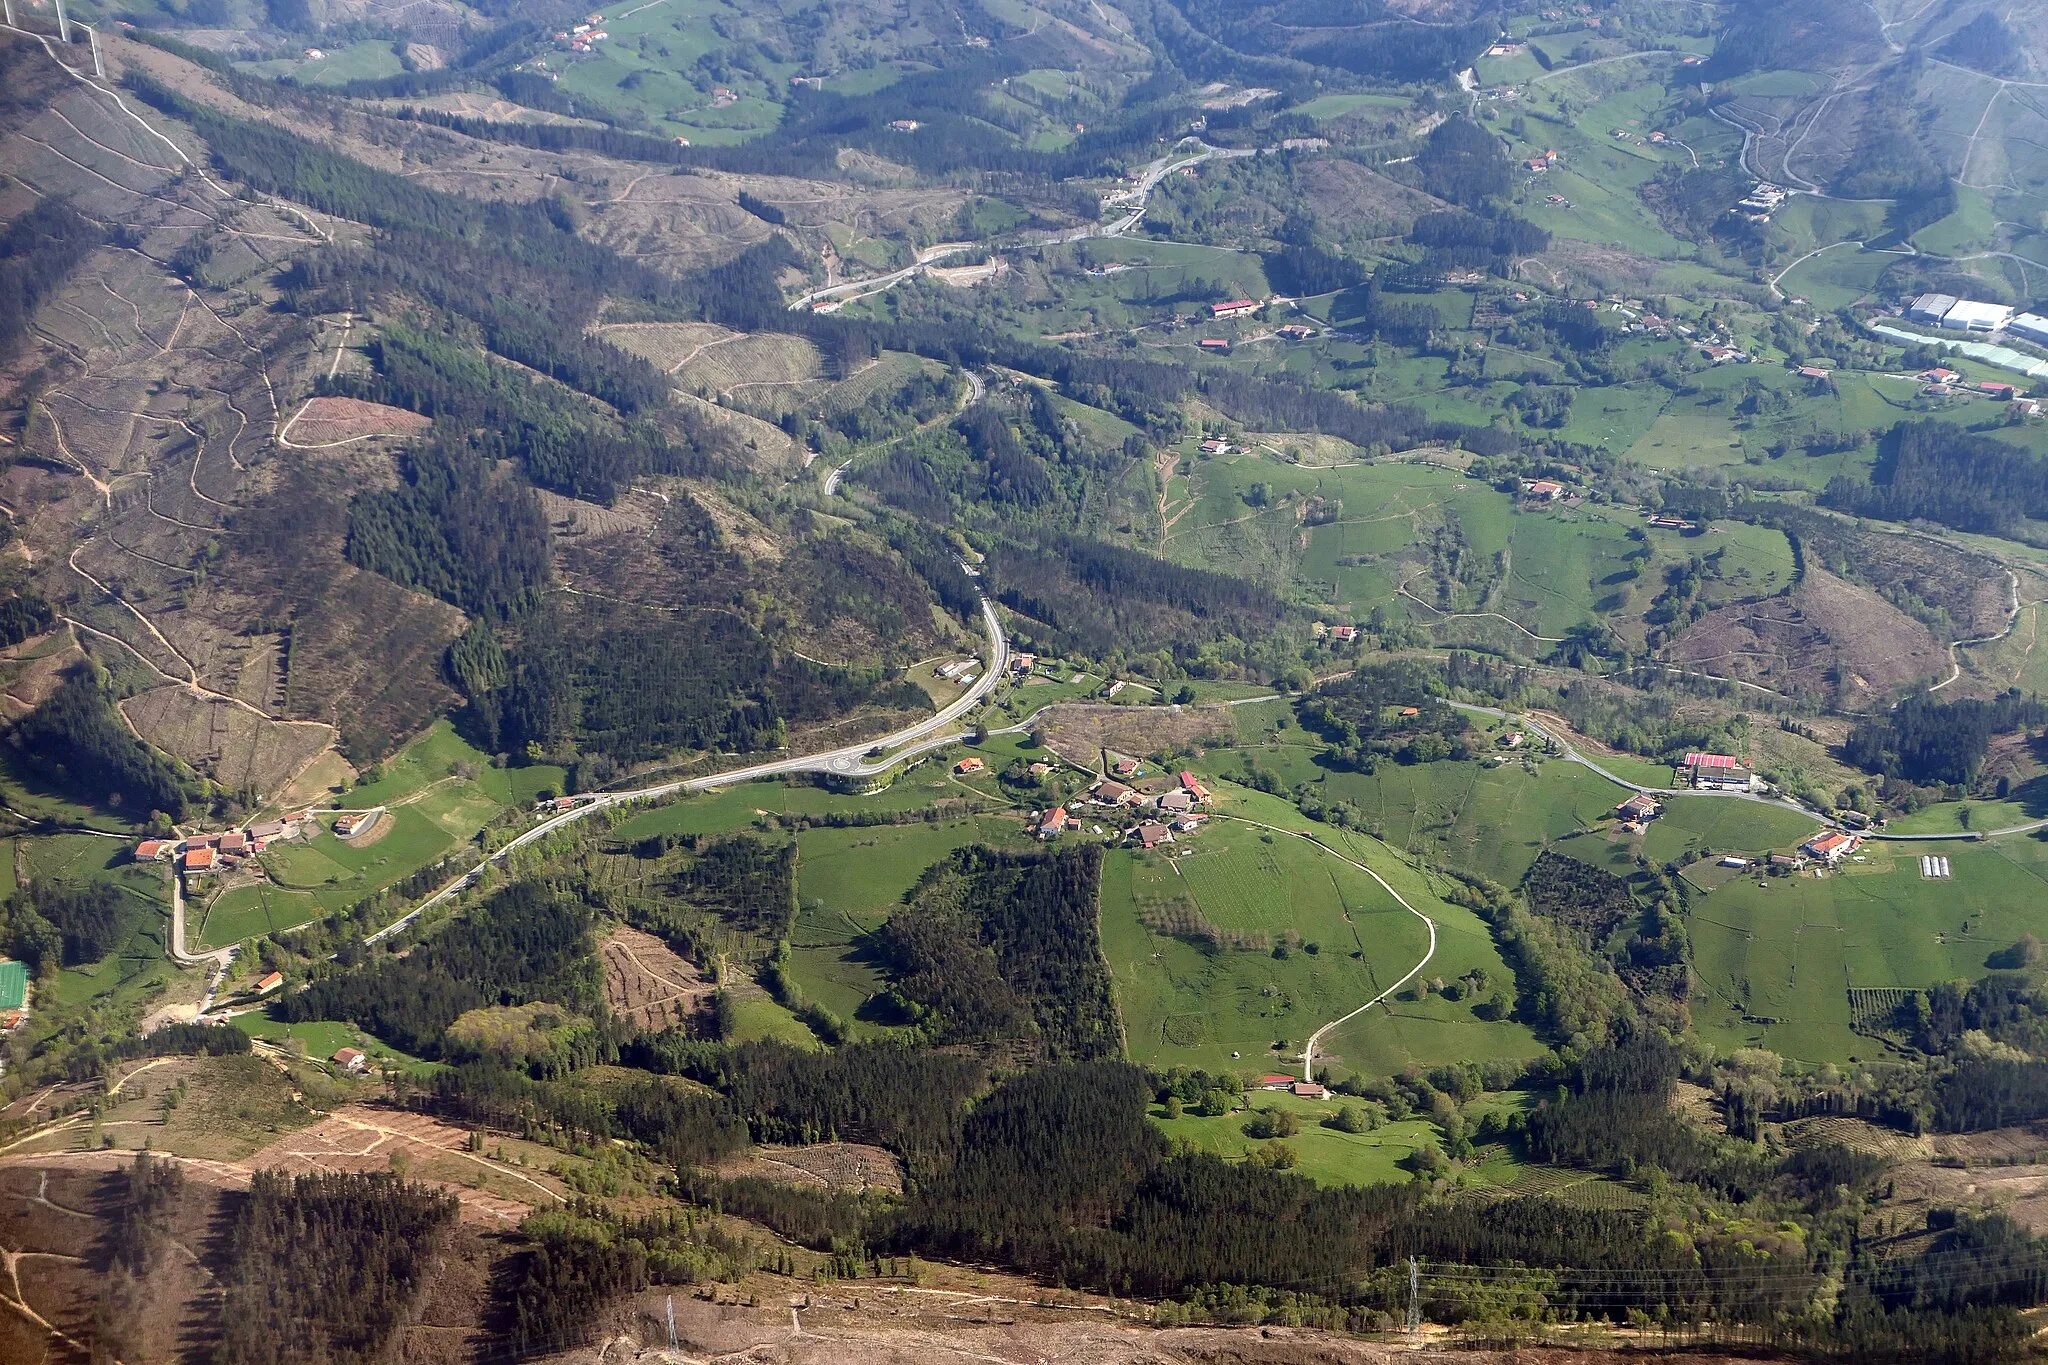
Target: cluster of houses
x=229, y=849
x=1539, y=164
x=1941, y=380
x=584, y=36
x=1341, y=635
x=1167, y=813
x=1724, y=353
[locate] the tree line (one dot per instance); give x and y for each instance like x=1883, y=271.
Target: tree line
x=1938, y=472
x=524, y=943
x=77, y=743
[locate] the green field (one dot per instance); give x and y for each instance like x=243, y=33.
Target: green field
x=251, y=911
x=1324, y=1155
x=340, y=872
x=848, y=882
x=442, y=759
x=1784, y=949
x=1488, y=820
x=323, y=1038
x=1250, y=1005
x=756, y=1017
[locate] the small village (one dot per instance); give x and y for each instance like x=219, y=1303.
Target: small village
x=1712, y=772
x=228, y=850
x=1130, y=805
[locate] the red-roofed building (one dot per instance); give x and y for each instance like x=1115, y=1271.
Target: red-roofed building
x=1213, y=344
x=199, y=860
x=234, y=841
x=269, y=983
x=1544, y=490
x=352, y=1061
x=1055, y=822
x=1832, y=848
x=1717, y=772
x=1276, y=1082
x=1233, y=308
x=969, y=764
x=154, y=850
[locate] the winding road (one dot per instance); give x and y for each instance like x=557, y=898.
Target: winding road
x=1148, y=181
x=1308, y=1051
x=849, y=760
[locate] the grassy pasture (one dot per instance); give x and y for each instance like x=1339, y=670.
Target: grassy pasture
x=1186, y=1003
x=1776, y=954
x=251, y=911
x=1324, y=1155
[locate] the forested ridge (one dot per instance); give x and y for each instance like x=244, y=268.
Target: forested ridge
x=1937, y=471
x=329, y=1267
x=525, y=943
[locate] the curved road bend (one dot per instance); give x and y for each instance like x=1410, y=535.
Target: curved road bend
x=1308, y=1051
x=847, y=761
x=1572, y=755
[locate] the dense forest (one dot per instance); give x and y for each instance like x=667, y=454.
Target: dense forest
x=1002, y=945
x=51, y=923
x=1924, y=740
x=1937, y=472
x=78, y=743
x=1391, y=710
x=525, y=943
x=1100, y=598
x=329, y=1267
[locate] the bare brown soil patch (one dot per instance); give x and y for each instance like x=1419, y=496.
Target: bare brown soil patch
x=360, y=1137
x=1346, y=192
x=339, y=421
x=53, y=1223
x=240, y=750
x=669, y=345
x=1079, y=732
x=994, y=1317
x=648, y=983
x=33, y=670
x=573, y=517
x=851, y=1166
x=1830, y=639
